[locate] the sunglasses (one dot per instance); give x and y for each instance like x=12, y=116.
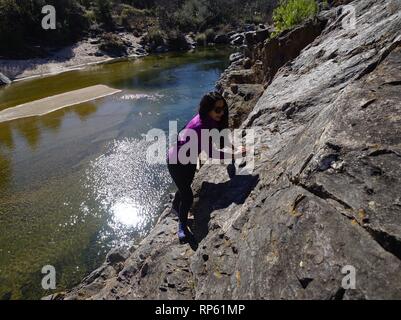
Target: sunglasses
x=218, y=110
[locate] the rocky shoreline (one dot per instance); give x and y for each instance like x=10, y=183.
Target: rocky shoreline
x=108, y=47
x=77, y=56
x=324, y=193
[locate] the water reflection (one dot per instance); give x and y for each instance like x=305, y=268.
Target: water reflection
x=6, y=135
x=212, y=65
x=85, y=110
x=125, y=211
x=29, y=128
x=5, y=171
x=117, y=74
x=127, y=186
x=75, y=183
x=54, y=120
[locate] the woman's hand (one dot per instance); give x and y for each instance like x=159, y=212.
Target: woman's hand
x=241, y=151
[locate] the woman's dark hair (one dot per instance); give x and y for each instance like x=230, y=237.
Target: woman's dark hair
x=207, y=104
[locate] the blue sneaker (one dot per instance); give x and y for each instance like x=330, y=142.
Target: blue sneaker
x=182, y=232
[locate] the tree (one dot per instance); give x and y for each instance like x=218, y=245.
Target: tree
x=11, y=26
x=103, y=13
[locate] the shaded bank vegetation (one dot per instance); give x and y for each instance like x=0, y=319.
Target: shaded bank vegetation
x=162, y=23
x=21, y=34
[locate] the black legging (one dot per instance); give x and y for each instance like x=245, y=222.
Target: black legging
x=183, y=176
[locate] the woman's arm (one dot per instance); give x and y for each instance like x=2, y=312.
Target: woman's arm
x=218, y=154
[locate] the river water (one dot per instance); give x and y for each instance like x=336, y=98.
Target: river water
x=75, y=183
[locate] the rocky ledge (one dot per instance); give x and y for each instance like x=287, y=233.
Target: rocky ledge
x=325, y=191
x=4, y=79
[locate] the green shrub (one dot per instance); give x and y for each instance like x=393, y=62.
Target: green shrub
x=133, y=18
x=293, y=12
x=155, y=37
x=90, y=16
x=112, y=45
x=224, y=28
x=210, y=34
x=11, y=28
x=103, y=10
x=200, y=39
x=256, y=19
x=21, y=31
x=176, y=40
x=190, y=16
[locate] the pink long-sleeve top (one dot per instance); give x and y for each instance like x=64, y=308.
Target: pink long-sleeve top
x=197, y=124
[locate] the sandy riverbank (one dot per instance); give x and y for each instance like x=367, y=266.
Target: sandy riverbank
x=53, y=103
x=79, y=55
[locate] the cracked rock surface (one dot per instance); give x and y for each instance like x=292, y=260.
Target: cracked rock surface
x=324, y=194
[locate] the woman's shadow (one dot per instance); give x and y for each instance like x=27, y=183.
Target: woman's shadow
x=215, y=196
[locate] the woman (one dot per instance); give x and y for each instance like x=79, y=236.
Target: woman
x=213, y=114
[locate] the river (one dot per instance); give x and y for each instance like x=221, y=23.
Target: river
x=75, y=183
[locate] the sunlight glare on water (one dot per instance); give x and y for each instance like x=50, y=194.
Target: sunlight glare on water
x=128, y=187
x=74, y=183
x=137, y=96
x=127, y=212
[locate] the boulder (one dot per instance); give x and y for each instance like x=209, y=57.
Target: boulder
x=249, y=27
x=179, y=41
x=113, y=45
x=140, y=51
x=249, y=91
x=4, y=80
x=247, y=63
x=55, y=296
x=191, y=43
x=236, y=56
x=161, y=49
x=278, y=51
x=241, y=76
x=235, y=35
x=221, y=39
x=242, y=101
x=255, y=37
x=335, y=3
x=237, y=40
x=117, y=255
x=94, y=41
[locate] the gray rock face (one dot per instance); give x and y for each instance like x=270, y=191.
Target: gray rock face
x=190, y=41
x=254, y=37
x=117, y=255
x=324, y=193
x=4, y=80
x=242, y=99
x=285, y=47
x=236, y=56
x=237, y=39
